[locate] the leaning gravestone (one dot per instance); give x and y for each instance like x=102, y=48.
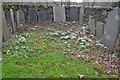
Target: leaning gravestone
x=32, y=15
x=1, y=37
x=74, y=14
x=5, y=28
x=81, y=16
x=111, y=29
x=99, y=29
x=20, y=18
x=59, y=14
x=13, y=22
x=92, y=25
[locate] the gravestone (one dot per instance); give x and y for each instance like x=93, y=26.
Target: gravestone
x=8, y=18
x=59, y=13
x=13, y=22
x=81, y=16
x=99, y=29
x=41, y=16
x=1, y=37
x=74, y=13
x=32, y=15
x=48, y=16
x=111, y=29
x=5, y=28
x=20, y=18
x=44, y=16
x=67, y=11
x=92, y=25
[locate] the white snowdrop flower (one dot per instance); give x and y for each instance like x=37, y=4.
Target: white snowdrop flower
x=35, y=26
x=78, y=56
x=82, y=46
x=8, y=52
x=16, y=47
x=21, y=39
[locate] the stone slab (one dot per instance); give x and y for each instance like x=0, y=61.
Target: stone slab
x=59, y=14
x=5, y=28
x=45, y=16
x=8, y=18
x=13, y=21
x=99, y=29
x=20, y=18
x=111, y=29
x=81, y=16
x=74, y=13
x=1, y=37
x=92, y=25
x=32, y=15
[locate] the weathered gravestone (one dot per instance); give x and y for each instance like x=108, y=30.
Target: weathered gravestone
x=111, y=29
x=92, y=25
x=67, y=11
x=8, y=18
x=1, y=37
x=99, y=29
x=59, y=14
x=20, y=18
x=5, y=28
x=13, y=21
x=74, y=13
x=45, y=16
x=32, y=15
x=81, y=16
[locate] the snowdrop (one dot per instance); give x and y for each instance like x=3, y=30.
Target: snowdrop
x=22, y=39
x=8, y=52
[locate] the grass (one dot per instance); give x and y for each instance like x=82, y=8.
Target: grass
x=44, y=55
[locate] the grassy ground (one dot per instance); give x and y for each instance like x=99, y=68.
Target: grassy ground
x=41, y=52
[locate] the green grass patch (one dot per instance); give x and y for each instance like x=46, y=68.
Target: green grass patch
x=42, y=55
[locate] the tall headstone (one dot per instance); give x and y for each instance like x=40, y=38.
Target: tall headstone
x=111, y=29
x=20, y=18
x=8, y=18
x=0, y=40
x=74, y=13
x=99, y=29
x=59, y=13
x=33, y=15
x=5, y=28
x=81, y=16
x=13, y=21
x=92, y=25
x=1, y=37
